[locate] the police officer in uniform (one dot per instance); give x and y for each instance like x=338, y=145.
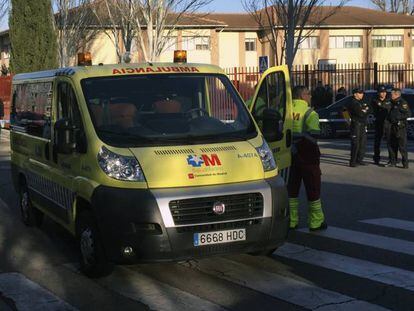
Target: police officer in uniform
x=358, y=111
x=397, y=118
x=381, y=106
x=305, y=161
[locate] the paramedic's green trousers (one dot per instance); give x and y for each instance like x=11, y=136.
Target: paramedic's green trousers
x=310, y=174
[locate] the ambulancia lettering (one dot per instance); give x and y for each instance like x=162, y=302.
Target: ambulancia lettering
x=204, y=159
x=154, y=70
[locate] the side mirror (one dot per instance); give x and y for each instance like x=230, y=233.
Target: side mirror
x=272, y=125
x=65, y=141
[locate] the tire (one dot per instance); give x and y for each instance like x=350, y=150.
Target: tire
x=326, y=130
x=30, y=215
x=93, y=261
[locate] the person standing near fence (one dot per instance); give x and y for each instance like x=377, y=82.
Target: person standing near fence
x=358, y=111
x=397, y=139
x=381, y=106
x=305, y=161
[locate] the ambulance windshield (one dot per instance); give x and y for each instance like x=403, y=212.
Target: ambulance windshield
x=166, y=109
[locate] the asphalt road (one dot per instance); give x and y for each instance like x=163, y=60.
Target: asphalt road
x=364, y=261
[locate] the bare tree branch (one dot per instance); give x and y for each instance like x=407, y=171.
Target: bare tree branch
x=73, y=20
x=294, y=20
x=395, y=6
x=155, y=21
x=115, y=18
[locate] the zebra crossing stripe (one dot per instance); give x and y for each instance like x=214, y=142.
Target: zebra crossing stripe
x=156, y=295
x=391, y=223
x=28, y=296
x=296, y=292
x=353, y=266
x=366, y=239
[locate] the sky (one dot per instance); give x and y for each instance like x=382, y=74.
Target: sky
x=228, y=6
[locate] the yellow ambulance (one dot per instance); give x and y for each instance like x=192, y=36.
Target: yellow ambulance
x=151, y=162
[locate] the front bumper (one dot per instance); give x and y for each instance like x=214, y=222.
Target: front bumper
x=141, y=220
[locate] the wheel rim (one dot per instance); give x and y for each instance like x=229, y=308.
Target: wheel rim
x=24, y=204
x=87, y=246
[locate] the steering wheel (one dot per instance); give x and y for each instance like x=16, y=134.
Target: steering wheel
x=196, y=112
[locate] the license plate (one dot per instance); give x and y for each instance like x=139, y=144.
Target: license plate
x=217, y=237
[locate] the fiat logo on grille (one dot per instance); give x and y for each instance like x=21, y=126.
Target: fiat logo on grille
x=219, y=208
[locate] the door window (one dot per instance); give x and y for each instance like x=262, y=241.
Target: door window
x=67, y=108
x=271, y=95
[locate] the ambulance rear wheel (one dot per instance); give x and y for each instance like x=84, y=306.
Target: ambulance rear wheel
x=93, y=261
x=30, y=215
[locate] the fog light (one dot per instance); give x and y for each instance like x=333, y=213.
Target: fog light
x=128, y=251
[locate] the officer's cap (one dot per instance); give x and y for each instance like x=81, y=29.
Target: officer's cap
x=357, y=90
x=396, y=89
x=381, y=89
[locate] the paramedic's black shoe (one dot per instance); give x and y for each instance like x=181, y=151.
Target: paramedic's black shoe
x=362, y=164
x=353, y=165
x=323, y=226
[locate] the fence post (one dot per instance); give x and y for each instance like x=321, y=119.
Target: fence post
x=307, y=75
x=375, y=75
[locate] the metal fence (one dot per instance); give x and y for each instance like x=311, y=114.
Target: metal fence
x=366, y=76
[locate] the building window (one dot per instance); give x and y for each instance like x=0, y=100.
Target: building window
x=345, y=42
x=387, y=41
x=196, y=43
x=309, y=43
x=250, y=44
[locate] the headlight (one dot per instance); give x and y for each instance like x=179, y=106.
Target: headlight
x=120, y=167
x=266, y=156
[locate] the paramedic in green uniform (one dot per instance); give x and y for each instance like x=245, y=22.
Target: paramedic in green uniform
x=305, y=161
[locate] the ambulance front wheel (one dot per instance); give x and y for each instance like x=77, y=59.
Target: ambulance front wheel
x=93, y=261
x=30, y=215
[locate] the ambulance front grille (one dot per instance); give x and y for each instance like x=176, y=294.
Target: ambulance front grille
x=200, y=210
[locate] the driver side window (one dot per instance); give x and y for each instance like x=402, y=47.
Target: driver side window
x=272, y=95
x=67, y=108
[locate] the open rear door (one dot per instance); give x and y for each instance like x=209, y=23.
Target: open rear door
x=273, y=92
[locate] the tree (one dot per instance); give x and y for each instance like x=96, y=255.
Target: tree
x=115, y=18
x=287, y=23
x=155, y=21
x=395, y=6
x=32, y=36
x=73, y=23
x=150, y=22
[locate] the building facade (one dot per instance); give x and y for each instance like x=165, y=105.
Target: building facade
x=352, y=35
